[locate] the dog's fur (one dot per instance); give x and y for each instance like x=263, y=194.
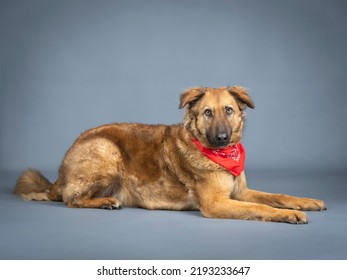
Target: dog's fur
x=159, y=167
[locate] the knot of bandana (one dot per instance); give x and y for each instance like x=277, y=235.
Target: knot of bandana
x=231, y=158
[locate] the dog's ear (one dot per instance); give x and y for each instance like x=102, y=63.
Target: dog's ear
x=191, y=96
x=242, y=97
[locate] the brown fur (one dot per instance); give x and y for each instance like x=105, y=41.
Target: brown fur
x=159, y=167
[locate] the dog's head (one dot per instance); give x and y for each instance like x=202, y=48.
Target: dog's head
x=215, y=116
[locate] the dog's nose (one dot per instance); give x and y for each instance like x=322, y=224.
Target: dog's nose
x=222, y=139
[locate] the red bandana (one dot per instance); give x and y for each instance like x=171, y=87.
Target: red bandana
x=231, y=158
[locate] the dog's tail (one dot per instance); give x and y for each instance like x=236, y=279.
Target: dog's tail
x=32, y=185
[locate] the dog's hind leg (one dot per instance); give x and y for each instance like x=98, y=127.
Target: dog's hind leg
x=90, y=175
x=92, y=196
x=109, y=203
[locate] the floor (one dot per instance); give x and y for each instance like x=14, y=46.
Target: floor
x=50, y=230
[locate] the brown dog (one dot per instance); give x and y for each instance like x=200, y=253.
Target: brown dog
x=169, y=167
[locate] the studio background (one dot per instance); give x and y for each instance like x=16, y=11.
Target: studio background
x=67, y=66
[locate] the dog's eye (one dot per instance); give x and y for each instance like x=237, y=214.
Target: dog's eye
x=229, y=111
x=208, y=112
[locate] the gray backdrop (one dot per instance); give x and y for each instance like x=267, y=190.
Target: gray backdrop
x=70, y=65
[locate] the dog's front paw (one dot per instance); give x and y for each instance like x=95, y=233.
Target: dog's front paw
x=310, y=204
x=296, y=217
x=290, y=216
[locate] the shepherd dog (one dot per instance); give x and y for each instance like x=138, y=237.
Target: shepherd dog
x=196, y=165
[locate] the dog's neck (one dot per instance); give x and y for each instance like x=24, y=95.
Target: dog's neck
x=231, y=158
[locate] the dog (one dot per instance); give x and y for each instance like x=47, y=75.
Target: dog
x=195, y=165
